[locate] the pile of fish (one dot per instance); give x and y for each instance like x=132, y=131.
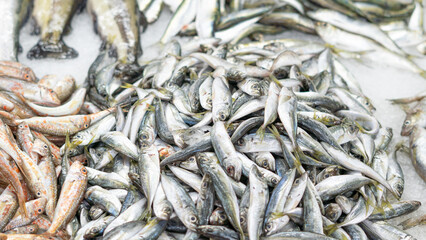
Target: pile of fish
x=209, y=138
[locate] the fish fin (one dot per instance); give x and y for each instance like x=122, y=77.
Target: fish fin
x=361, y=128
x=423, y=74
x=401, y=147
x=44, y=49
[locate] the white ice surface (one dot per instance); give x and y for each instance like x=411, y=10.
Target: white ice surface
x=378, y=81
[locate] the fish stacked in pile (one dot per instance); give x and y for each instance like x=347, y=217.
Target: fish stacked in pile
x=211, y=138
x=30, y=161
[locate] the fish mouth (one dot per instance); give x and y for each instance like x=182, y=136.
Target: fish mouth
x=406, y=131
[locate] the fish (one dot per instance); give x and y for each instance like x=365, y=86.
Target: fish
x=71, y=195
x=117, y=23
x=51, y=20
x=15, y=14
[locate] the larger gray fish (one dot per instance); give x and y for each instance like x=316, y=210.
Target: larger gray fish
x=184, y=14
x=117, y=23
x=181, y=201
x=53, y=18
x=13, y=15
x=352, y=163
x=209, y=164
x=225, y=151
x=149, y=169
x=357, y=26
x=418, y=150
x=259, y=197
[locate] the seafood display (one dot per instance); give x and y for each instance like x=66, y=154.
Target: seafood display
x=226, y=132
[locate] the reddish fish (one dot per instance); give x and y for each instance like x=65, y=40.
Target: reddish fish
x=12, y=177
x=58, y=126
x=35, y=208
x=72, y=194
x=16, y=70
x=31, y=91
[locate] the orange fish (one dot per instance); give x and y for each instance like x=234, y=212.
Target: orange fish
x=54, y=150
x=31, y=91
x=12, y=177
x=16, y=70
x=8, y=207
x=35, y=208
x=72, y=194
x=58, y=126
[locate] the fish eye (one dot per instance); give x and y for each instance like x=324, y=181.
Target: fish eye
x=222, y=117
x=209, y=101
x=327, y=175
x=367, y=103
x=274, y=180
x=269, y=226
x=296, y=181
x=86, y=125
x=98, y=155
x=83, y=170
x=242, y=219
x=407, y=122
x=191, y=159
x=26, y=76
x=204, y=185
x=38, y=194
x=45, y=146
x=240, y=142
x=39, y=210
x=265, y=163
x=222, y=216
x=193, y=219
x=230, y=170
x=144, y=137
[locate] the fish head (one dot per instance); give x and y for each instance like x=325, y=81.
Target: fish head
x=275, y=223
x=38, y=206
x=398, y=187
x=28, y=74
x=81, y=122
x=40, y=147
x=77, y=172
x=49, y=97
x=236, y=74
x=221, y=115
x=218, y=217
x=233, y=167
x=408, y=125
x=191, y=220
x=333, y=211
x=165, y=212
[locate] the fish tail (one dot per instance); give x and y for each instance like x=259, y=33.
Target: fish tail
x=261, y=132
x=45, y=49
x=127, y=85
x=22, y=206
x=9, y=118
x=330, y=229
x=298, y=154
x=146, y=215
